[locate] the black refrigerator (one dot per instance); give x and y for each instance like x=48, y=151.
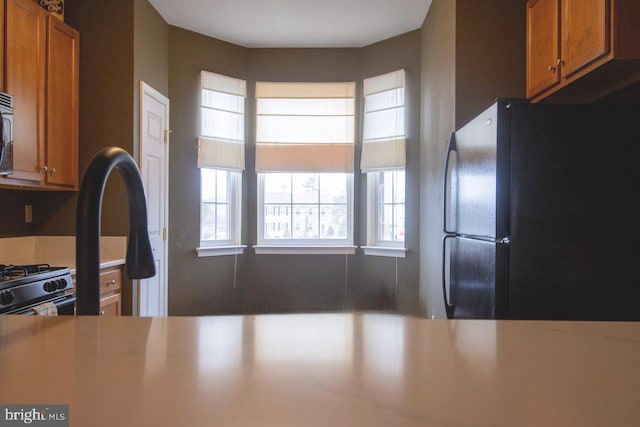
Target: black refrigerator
x=541, y=216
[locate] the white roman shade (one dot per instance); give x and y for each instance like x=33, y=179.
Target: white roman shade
x=383, y=145
x=221, y=141
x=305, y=127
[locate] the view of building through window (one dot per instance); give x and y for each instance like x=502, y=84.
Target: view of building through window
x=391, y=206
x=305, y=206
x=215, y=205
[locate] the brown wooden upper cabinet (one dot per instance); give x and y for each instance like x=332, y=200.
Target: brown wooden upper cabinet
x=581, y=50
x=41, y=72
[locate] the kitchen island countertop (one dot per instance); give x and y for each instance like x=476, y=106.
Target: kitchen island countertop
x=341, y=369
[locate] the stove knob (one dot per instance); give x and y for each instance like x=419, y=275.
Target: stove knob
x=62, y=283
x=6, y=297
x=50, y=286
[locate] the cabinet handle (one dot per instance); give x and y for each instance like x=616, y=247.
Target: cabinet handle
x=102, y=313
x=44, y=169
x=52, y=171
x=111, y=282
x=551, y=68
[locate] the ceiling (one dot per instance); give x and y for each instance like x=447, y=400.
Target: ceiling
x=296, y=23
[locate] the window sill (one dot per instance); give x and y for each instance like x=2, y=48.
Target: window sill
x=206, y=251
x=304, y=250
x=387, y=251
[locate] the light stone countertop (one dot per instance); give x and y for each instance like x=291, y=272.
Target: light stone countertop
x=343, y=369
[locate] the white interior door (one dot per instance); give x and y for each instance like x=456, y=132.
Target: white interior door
x=154, y=166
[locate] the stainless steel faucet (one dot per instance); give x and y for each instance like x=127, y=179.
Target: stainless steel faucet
x=139, y=260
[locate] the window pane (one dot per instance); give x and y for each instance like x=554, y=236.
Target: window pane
x=333, y=222
x=222, y=186
x=398, y=196
x=222, y=101
x=305, y=216
x=305, y=188
x=277, y=188
x=387, y=99
x=222, y=124
x=277, y=222
x=333, y=188
x=208, y=185
x=386, y=222
x=222, y=222
x=399, y=223
x=305, y=129
x=207, y=221
x=391, y=210
x=387, y=186
x=306, y=223
x=306, y=106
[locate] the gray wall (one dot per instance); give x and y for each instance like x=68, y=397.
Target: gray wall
x=438, y=97
x=150, y=58
x=490, y=54
x=389, y=55
x=12, y=204
x=196, y=285
x=472, y=53
x=272, y=283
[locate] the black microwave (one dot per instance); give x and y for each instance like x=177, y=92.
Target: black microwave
x=6, y=133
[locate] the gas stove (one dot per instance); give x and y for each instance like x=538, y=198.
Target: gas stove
x=26, y=289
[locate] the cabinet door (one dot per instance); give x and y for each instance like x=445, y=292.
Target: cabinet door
x=542, y=45
x=62, y=104
x=585, y=33
x=26, y=38
x=110, y=305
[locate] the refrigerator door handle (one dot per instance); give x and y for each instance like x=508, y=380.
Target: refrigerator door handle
x=449, y=308
x=452, y=148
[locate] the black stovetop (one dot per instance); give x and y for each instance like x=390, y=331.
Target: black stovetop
x=13, y=275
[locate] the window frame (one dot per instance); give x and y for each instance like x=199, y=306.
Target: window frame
x=376, y=245
x=304, y=246
x=212, y=247
x=217, y=83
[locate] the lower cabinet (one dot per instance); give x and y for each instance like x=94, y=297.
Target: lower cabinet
x=110, y=305
x=110, y=291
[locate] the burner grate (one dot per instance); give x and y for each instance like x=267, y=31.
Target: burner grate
x=15, y=271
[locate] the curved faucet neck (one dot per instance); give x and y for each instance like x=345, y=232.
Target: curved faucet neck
x=139, y=262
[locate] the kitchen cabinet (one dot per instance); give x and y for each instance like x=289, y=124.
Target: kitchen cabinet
x=581, y=50
x=41, y=72
x=110, y=290
x=63, y=43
